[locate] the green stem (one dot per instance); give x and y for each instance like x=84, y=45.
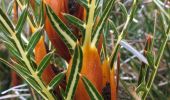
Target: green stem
x=122, y=34
x=33, y=73
x=153, y=74
x=90, y=23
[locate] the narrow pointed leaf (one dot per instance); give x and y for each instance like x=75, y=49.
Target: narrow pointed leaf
x=30, y=16
x=6, y=23
x=75, y=21
x=97, y=12
x=41, y=18
x=34, y=40
x=21, y=68
x=151, y=59
x=100, y=25
x=13, y=50
x=44, y=63
x=10, y=7
x=74, y=74
x=113, y=26
x=62, y=30
x=91, y=90
x=157, y=2
x=5, y=36
x=33, y=83
x=13, y=67
x=56, y=80
x=123, y=8
x=133, y=51
x=62, y=93
x=27, y=78
x=141, y=87
x=84, y=3
x=21, y=21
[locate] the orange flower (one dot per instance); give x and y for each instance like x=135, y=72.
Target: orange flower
x=59, y=7
x=91, y=68
x=40, y=52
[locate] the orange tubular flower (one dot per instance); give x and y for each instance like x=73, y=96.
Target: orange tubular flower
x=105, y=72
x=97, y=73
x=91, y=68
x=59, y=7
x=40, y=52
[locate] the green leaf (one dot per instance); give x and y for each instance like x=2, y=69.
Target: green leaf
x=141, y=87
x=62, y=30
x=2, y=3
x=91, y=90
x=10, y=65
x=41, y=18
x=19, y=71
x=74, y=74
x=10, y=7
x=123, y=8
x=113, y=26
x=157, y=2
x=151, y=59
x=44, y=63
x=13, y=50
x=62, y=93
x=31, y=18
x=33, y=83
x=21, y=68
x=84, y=3
x=34, y=40
x=75, y=21
x=21, y=21
x=6, y=23
x=38, y=1
x=6, y=37
x=56, y=80
x=100, y=25
x=97, y=12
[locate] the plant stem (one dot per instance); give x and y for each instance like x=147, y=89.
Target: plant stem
x=153, y=74
x=122, y=34
x=33, y=73
x=48, y=95
x=90, y=23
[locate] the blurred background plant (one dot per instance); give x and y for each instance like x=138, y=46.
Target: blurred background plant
x=148, y=33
